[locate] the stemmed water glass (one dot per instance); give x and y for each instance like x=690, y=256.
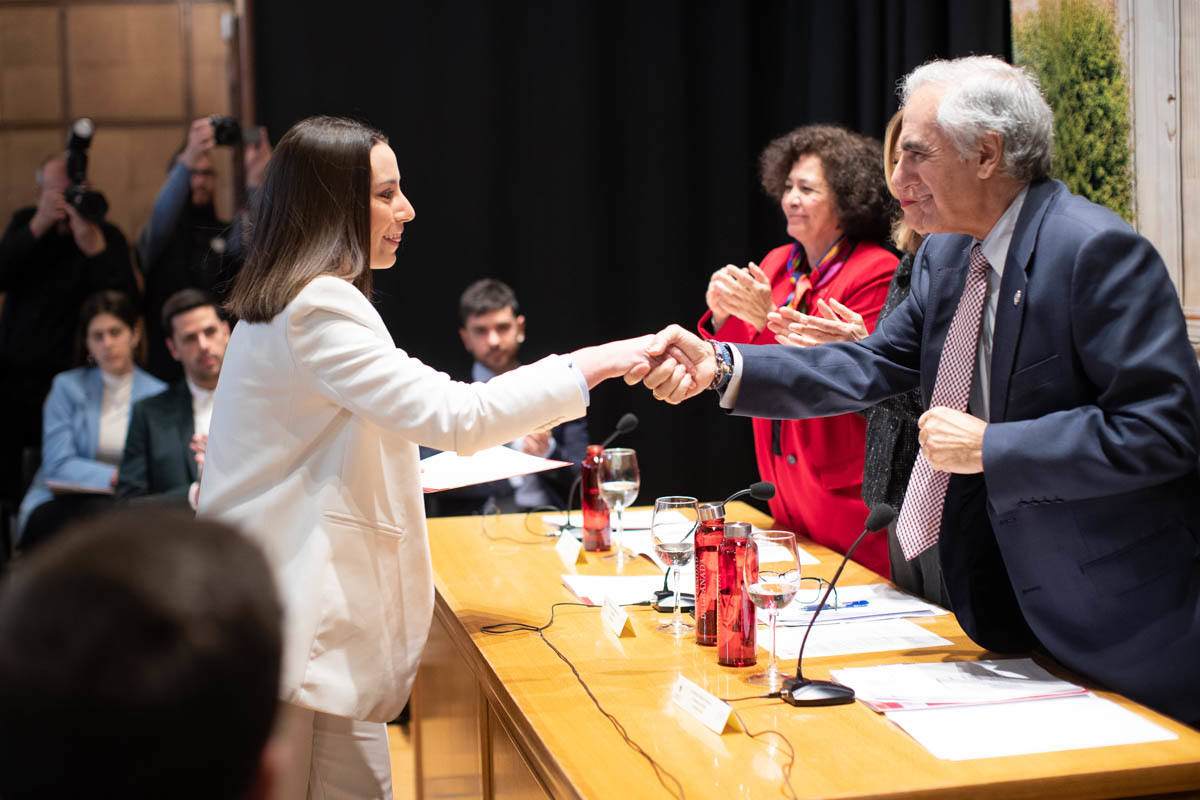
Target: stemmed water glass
x=619, y=483
x=672, y=527
x=772, y=574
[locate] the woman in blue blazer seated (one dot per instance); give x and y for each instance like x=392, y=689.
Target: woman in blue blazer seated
x=85, y=419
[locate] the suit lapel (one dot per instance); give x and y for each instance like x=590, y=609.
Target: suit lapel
x=185, y=425
x=1010, y=308
x=947, y=279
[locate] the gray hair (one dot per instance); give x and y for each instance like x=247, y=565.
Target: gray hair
x=982, y=94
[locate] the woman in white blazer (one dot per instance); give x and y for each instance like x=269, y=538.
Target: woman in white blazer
x=313, y=445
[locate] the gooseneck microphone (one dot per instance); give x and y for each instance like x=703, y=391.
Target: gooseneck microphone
x=763, y=490
x=625, y=424
x=802, y=691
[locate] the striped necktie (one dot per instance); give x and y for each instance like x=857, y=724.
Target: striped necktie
x=921, y=515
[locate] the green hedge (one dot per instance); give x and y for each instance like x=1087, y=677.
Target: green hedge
x=1073, y=48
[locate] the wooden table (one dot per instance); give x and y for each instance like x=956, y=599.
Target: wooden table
x=503, y=716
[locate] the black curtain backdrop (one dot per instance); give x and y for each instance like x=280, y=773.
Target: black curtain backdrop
x=600, y=157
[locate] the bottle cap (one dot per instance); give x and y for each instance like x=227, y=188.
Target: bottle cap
x=737, y=530
x=711, y=511
x=594, y=450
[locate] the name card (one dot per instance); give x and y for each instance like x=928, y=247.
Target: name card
x=711, y=711
x=616, y=619
x=570, y=549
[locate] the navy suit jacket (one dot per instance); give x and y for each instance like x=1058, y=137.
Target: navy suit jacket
x=1083, y=532
x=158, y=463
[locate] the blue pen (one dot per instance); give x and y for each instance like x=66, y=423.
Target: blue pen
x=851, y=604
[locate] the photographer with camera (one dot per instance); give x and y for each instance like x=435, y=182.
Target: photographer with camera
x=52, y=257
x=185, y=245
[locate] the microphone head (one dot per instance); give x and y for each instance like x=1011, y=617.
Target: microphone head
x=627, y=423
x=763, y=490
x=880, y=517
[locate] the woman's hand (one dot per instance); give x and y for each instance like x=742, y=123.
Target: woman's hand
x=614, y=359
x=837, y=323
x=743, y=293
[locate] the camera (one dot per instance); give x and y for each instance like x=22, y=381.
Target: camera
x=89, y=204
x=226, y=131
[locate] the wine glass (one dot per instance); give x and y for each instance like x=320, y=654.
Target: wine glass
x=672, y=526
x=772, y=574
x=619, y=483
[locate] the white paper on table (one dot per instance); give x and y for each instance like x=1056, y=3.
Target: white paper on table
x=448, y=470
x=67, y=487
x=898, y=686
x=635, y=520
x=957, y=733
x=882, y=601
x=864, y=636
x=621, y=589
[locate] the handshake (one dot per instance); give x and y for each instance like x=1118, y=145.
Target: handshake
x=674, y=363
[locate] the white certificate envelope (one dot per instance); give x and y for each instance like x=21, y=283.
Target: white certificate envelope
x=450, y=470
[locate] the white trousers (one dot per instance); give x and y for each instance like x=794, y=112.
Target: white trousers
x=332, y=758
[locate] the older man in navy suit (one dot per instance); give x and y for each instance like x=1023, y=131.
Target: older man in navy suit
x=1060, y=444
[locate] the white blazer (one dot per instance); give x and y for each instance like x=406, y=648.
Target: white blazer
x=312, y=450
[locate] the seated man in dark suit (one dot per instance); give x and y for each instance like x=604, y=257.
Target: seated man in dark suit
x=140, y=658
x=492, y=328
x=159, y=461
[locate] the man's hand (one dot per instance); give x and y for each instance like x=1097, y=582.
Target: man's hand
x=681, y=365
x=200, y=141
x=743, y=293
x=536, y=444
x=951, y=440
x=255, y=156
x=837, y=323
x=199, y=447
x=88, y=236
x=51, y=209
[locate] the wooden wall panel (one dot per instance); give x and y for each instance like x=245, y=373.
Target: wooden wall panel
x=20, y=153
x=126, y=61
x=129, y=165
x=210, y=81
x=30, y=65
x=1189, y=148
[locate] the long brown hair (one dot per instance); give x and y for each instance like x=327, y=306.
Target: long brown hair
x=108, y=301
x=311, y=217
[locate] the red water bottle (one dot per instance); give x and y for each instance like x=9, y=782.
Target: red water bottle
x=708, y=541
x=596, y=534
x=735, y=613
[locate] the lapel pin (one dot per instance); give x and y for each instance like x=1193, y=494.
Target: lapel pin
x=1017, y=298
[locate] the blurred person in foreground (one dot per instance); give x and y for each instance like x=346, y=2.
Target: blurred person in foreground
x=1058, y=464
x=492, y=329
x=51, y=260
x=86, y=420
x=891, y=438
x=139, y=659
x=186, y=245
x=313, y=446
x=838, y=210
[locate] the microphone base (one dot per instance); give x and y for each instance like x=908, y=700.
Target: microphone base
x=807, y=692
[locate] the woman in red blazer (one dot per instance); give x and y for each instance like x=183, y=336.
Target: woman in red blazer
x=838, y=208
